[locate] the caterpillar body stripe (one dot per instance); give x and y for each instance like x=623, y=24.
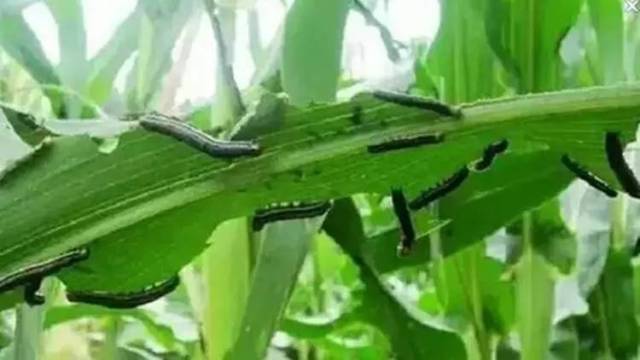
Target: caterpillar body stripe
x=404, y=143
x=288, y=212
x=440, y=190
x=418, y=102
x=401, y=211
x=490, y=153
x=588, y=177
x=126, y=300
x=622, y=171
x=35, y=272
x=197, y=138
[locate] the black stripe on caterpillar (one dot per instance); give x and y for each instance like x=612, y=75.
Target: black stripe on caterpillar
x=401, y=211
x=490, y=153
x=288, y=212
x=622, y=171
x=435, y=106
x=440, y=190
x=405, y=143
x=588, y=177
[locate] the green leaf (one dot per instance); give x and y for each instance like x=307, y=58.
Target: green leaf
x=191, y=224
x=159, y=332
x=28, y=337
x=613, y=304
x=280, y=257
x=14, y=6
x=312, y=50
x=509, y=183
x=535, y=294
x=551, y=237
x=608, y=23
x=303, y=329
x=21, y=43
x=25, y=126
x=73, y=66
x=565, y=344
x=589, y=219
x=226, y=270
x=527, y=39
x=411, y=334
x=470, y=284
x=460, y=65
x=125, y=202
x=104, y=67
x=161, y=25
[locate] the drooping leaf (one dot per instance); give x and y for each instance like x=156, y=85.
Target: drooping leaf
x=412, y=336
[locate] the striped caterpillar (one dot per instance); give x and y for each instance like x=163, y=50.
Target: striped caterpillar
x=198, y=139
x=288, y=212
x=418, y=102
x=620, y=168
x=404, y=143
x=401, y=210
x=490, y=153
x=126, y=300
x=440, y=190
x=32, y=275
x=588, y=177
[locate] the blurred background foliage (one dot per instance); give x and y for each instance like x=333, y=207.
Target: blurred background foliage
x=556, y=282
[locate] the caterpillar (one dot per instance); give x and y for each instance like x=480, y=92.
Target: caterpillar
x=126, y=300
x=418, y=102
x=404, y=143
x=588, y=177
x=490, y=153
x=440, y=190
x=288, y=212
x=401, y=210
x=622, y=171
x=198, y=139
x=32, y=275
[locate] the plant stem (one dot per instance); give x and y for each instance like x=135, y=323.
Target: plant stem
x=535, y=292
x=475, y=294
x=109, y=349
x=28, y=332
